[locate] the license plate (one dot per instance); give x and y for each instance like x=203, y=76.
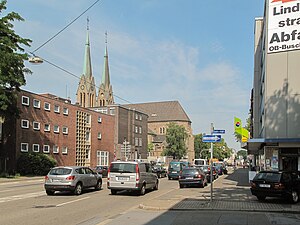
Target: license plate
x=123, y=178
x=265, y=185
x=55, y=180
x=189, y=178
x=174, y=172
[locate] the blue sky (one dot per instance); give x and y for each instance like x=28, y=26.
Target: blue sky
x=195, y=51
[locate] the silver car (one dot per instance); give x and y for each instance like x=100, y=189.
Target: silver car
x=71, y=178
x=131, y=176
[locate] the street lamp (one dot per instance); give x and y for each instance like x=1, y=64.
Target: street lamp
x=35, y=60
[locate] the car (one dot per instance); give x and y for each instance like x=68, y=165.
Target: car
x=101, y=170
x=220, y=167
x=192, y=176
x=159, y=170
x=71, y=178
x=131, y=176
x=284, y=184
x=175, y=167
x=206, y=170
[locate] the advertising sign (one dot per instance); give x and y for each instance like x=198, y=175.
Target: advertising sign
x=283, y=25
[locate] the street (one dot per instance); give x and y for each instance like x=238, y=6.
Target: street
x=25, y=202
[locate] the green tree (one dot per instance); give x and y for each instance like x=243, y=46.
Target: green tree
x=176, y=136
x=200, y=147
x=12, y=68
x=242, y=153
x=150, y=147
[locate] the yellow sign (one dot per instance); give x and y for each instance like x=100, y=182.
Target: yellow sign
x=244, y=139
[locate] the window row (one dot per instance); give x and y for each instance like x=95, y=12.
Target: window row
x=138, y=142
x=138, y=116
x=47, y=106
x=137, y=129
x=43, y=148
x=47, y=127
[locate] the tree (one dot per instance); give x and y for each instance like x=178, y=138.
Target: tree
x=176, y=136
x=12, y=68
x=200, y=147
x=242, y=153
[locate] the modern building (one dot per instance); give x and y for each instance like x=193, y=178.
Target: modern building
x=275, y=103
x=160, y=114
x=50, y=125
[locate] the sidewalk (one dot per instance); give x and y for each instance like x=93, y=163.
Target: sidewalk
x=230, y=193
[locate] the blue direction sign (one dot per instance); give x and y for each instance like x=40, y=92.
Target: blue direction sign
x=211, y=138
x=219, y=132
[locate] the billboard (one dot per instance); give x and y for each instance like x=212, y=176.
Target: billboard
x=283, y=25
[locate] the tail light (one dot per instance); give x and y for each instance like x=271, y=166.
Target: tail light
x=70, y=178
x=108, y=173
x=198, y=176
x=279, y=186
x=137, y=172
x=253, y=185
x=46, y=178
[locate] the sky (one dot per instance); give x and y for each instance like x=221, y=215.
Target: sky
x=198, y=52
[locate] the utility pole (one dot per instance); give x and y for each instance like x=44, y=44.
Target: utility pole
x=211, y=164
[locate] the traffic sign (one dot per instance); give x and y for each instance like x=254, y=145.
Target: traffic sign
x=211, y=138
x=219, y=132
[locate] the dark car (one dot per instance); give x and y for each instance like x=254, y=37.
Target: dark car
x=282, y=184
x=102, y=170
x=192, y=177
x=206, y=170
x=220, y=167
x=159, y=170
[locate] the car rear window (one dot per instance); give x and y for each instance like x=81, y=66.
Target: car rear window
x=189, y=171
x=60, y=171
x=174, y=166
x=273, y=177
x=123, y=168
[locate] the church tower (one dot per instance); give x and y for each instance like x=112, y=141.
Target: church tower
x=86, y=92
x=105, y=93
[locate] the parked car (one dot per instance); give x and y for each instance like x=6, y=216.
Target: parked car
x=206, y=170
x=102, y=170
x=220, y=167
x=282, y=184
x=131, y=176
x=175, y=167
x=159, y=170
x=71, y=178
x=192, y=177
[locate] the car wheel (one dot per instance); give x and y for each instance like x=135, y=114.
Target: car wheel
x=294, y=197
x=169, y=178
x=98, y=185
x=159, y=175
x=156, y=186
x=181, y=186
x=261, y=197
x=78, y=189
x=143, y=190
x=50, y=192
x=113, y=192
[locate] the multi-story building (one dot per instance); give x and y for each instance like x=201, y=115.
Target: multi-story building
x=160, y=114
x=73, y=135
x=275, y=105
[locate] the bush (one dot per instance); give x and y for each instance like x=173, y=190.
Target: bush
x=35, y=164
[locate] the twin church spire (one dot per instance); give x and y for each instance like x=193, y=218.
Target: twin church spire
x=86, y=91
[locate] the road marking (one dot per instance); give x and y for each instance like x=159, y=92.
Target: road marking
x=20, y=197
x=65, y=203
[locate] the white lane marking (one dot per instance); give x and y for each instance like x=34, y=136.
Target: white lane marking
x=65, y=203
x=19, y=197
x=21, y=182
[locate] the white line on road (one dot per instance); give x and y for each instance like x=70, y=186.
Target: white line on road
x=19, y=197
x=65, y=203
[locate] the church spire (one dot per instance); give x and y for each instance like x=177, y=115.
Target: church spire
x=87, y=67
x=105, y=74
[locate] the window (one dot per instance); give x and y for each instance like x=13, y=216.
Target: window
x=47, y=106
x=88, y=154
x=102, y=158
x=140, y=142
x=24, y=147
x=65, y=130
x=47, y=127
x=25, y=100
x=136, y=141
x=99, y=136
x=65, y=111
x=64, y=150
x=99, y=119
x=88, y=119
x=36, y=103
x=55, y=149
x=140, y=130
x=87, y=136
x=46, y=148
x=24, y=123
x=35, y=147
x=56, y=108
x=36, y=125
x=112, y=111
x=56, y=129
x=136, y=116
x=140, y=117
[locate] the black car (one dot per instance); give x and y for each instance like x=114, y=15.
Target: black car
x=159, y=170
x=101, y=170
x=206, y=170
x=191, y=176
x=282, y=184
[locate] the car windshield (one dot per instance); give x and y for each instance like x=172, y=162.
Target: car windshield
x=273, y=177
x=60, y=171
x=123, y=167
x=174, y=166
x=189, y=171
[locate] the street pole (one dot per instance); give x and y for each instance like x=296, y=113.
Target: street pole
x=211, y=167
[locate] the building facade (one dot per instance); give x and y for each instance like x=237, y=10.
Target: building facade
x=71, y=134
x=275, y=103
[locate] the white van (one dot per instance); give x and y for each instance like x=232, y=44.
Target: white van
x=131, y=176
x=200, y=162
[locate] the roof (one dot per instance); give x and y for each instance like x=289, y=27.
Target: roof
x=162, y=111
x=159, y=138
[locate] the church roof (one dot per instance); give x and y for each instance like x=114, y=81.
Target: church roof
x=162, y=111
